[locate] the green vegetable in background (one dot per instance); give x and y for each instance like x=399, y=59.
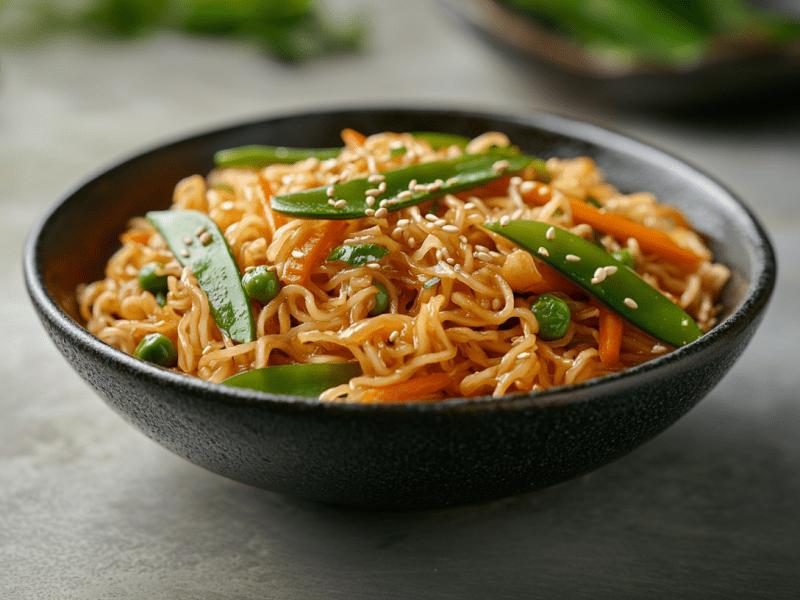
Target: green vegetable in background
x=357, y=255
x=197, y=242
x=293, y=30
x=296, y=380
x=434, y=179
x=158, y=349
x=604, y=278
x=381, y=300
x=151, y=278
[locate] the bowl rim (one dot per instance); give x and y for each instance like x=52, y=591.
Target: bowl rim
x=754, y=301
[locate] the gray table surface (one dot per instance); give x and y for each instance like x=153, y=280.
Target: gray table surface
x=90, y=508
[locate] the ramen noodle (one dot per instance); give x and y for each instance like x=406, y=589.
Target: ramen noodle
x=458, y=318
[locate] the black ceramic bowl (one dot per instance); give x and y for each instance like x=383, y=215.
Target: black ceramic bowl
x=454, y=452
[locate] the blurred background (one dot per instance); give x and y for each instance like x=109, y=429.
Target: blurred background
x=90, y=508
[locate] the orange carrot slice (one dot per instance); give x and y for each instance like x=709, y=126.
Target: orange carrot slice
x=410, y=390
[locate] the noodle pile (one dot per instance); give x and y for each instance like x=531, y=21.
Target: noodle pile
x=458, y=301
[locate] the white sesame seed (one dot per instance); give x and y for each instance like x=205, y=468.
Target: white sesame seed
x=272, y=268
x=431, y=217
x=331, y=192
x=551, y=233
x=685, y=322
x=412, y=184
x=370, y=212
x=375, y=178
x=462, y=239
x=187, y=240
x=450, y=228
x=452, y=181
x=543, y=189
x=543, y=251
x=226, y=205
x=631, y=303
x=659, y=349
x=599, y=275
x=340, y=203
x=484, y=256
x=420, y=188
x=248, y=269
x=572, y=258
x=393, y=336
x=370, y=201
x=412, y=241
x=479, y=248
x=403, y=222
x=392, y=201
x=200, y=231
x=331, y=201
x=610, y=270
x=372, y=192
x=451, y=261
x=469, y=206
x=494, y=254
x=440, y=222
x=205, y=238
x=405, y=195
x=383, y=202
x=397, y=232
x=297, y=254
x=381, y=212
x=185, y=253
x=516, y=180
x=496, y=304
x=505, y=220
x=500, y=166
x=373, y=265
x=527, y=186
x=382, y=186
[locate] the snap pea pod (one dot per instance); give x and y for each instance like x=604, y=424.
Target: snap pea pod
x=604, y=278
x=433, y=179
x=197, y=242
x=296, y=380
x=257, y=156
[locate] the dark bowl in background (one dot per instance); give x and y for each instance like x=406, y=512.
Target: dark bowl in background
x=407, y=456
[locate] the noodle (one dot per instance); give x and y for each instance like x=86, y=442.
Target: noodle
x=474, y=322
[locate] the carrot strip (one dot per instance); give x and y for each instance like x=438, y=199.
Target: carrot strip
x=410, y=390
x=139, y=238
x=274, y=218
x=650, y=240
x=352, y=138
x=610, y=336
x=314, y=246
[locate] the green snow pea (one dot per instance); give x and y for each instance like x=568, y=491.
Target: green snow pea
x=197, y=242
x=605, y=278
x=553, y=315
x=257, y=156
x=357, y=255
x=296, y=380
x=433, y=179
x=158, y=349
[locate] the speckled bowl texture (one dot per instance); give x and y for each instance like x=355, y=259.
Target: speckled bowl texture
x=406, y=456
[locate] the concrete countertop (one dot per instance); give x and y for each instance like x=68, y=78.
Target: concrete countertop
x=90, y=508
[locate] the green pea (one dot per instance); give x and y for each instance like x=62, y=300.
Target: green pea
x=261, y=284
x=150, y=279
x=625, y=257
x=553, y=315
x=381, y=300
x=157, y=349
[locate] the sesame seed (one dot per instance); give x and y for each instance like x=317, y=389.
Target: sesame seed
x=610, y=270
x=397, y=232
x=452, y=181
x=631, y=303
x=403, y=222
x=226, y=205
x=516, y=180
x=381, y=212
x=185, y=253
x=412, y=241
x=187, y=240
x=200, y=231
x=505, y=220
x=551, y=233
x=383, y=203
x=393, y=336
x=543, y=251
x=340, y=203
x=451, y=261
x=599, y=275
x=494, y=254
x=450, y=228
x=372, y=192
x=205, y=239
x=527, y=186
x=469, y=206
x=462, y=239
x=496, y=304
x=431, y=217
x=331, y=201
x=375, y=178
x=405, y=195
x=440, y=222
x=412, y=184
x=659, y=349
x=297, y=254
x=331, y=192
x=382, y=186
x=484, y=256
x=420, y=188
x=392, y=201
x=543, y=189
x=439, y=256
x=272, y=268
x=370, y=212
x=248, y=269
x=500, y=166
x=685, y=322
x=373, y=265
x=479, y=248
x=370, y=201
x=572, y=258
